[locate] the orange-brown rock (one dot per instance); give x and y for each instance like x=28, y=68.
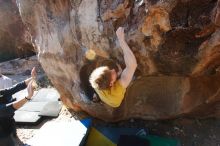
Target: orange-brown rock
x=217, y=14
x=176, y=43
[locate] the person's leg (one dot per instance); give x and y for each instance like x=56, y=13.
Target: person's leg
x=7, y=141
x=18, y=141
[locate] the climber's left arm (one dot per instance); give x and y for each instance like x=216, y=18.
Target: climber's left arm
x=130, y=60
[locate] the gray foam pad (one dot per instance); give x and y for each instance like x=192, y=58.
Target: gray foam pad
x=46, y=94
x=33, y=106
x=59, y=134
x=44, y=103
x=51, y=109
x=26, y=117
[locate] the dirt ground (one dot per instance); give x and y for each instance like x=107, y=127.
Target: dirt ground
x=190, y=132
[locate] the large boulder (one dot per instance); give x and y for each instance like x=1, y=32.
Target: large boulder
x=14, y=38
x=176, y=43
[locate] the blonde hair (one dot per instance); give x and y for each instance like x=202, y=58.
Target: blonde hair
x=100, y=78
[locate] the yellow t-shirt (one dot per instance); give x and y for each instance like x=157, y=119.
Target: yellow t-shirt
x=113, y=96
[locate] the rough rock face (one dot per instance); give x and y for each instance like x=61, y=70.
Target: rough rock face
x=176, y=43
x=14, y=39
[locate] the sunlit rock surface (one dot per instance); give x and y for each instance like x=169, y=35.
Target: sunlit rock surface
x=14, y=38
x=176, y=43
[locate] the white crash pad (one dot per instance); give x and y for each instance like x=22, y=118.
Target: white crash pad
x=42, y=95
x=51, y=109
x=59, y=134
x=27, y=117
x=44, y=103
